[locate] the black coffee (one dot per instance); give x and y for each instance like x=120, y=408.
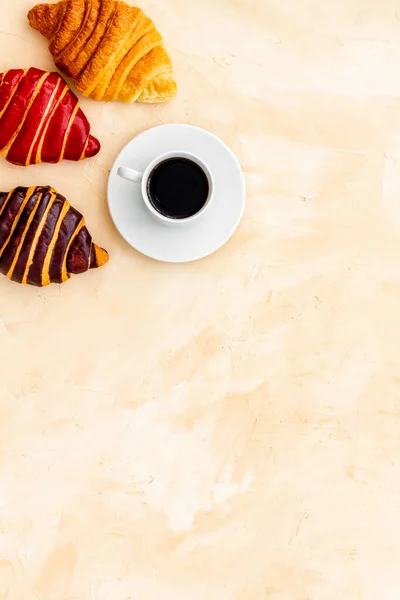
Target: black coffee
x=178, y=188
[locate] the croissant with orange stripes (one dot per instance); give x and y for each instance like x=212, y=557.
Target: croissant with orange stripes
x=43, y=239
x=40, y=119
x=112, y=50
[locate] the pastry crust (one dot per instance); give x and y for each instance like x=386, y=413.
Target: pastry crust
x=43, y=239
x=112, y=50
x=52, y=126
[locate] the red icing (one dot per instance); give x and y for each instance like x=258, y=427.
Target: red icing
x=9, y=82
x=17, y=107
x=28, y=105
x=77, y=137
x=20, y=149
x=93, y=147
x=52, y=147
x=47, y=121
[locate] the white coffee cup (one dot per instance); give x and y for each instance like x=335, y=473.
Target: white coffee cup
x=142, y=179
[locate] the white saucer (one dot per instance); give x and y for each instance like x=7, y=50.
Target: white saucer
x=192, y=241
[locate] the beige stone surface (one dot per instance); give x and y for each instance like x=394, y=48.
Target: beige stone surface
x=229, y=429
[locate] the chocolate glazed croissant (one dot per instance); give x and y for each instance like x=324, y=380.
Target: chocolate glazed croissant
x=40, y=119
x=43, y=239
x=112, y=50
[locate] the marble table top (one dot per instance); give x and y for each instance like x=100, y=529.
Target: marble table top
x=227, y=429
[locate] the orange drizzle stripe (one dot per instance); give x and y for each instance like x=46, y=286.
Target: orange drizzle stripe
x=28, y=224
x=37, y=236
x=46, y=265
x=71, y=121
x=38, y=158
x=46, y=112
x=39, y=86
x=64, y=273
x=29, y=193
x=13, y=92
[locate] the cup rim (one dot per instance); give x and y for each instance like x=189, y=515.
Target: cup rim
x=150, y=168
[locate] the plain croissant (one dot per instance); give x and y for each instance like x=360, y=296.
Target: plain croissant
x=40, y=119
x=43, y=239
x=112, y=50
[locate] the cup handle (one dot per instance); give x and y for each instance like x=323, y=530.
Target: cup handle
x=130, y=174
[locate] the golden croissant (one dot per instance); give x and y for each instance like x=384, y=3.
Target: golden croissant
x=112, y=50
x=43, y=239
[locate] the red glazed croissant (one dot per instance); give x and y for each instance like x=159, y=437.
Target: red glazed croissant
x=40, y=119
x=43, y=239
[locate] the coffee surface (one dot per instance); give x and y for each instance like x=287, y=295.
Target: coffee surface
x=178, y=188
